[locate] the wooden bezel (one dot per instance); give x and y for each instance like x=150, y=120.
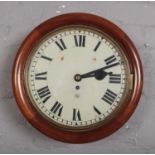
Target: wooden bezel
x=32, y=114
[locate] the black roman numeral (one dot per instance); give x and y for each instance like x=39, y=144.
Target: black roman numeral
x=80, y=40
x=44, y=93
x=76, y=115
x=96, y=110
x=41, y=76
x=97, y=46
x=61, y=44
x=110, y=60
x=109, y=96
x=46, y=58
x=115, y=78
x=57, y=108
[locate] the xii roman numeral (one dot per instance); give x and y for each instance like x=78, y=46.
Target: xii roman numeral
x=80, y=40
x=44, y=93
x=115, y=78
x=57, y=108
x=110, y=60
x=61, y=44
x=109, y=97
x=41, y=76
x=76, y=115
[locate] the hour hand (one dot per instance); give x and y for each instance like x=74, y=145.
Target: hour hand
x=97, y=74
x=87, y=75
x=78, y=77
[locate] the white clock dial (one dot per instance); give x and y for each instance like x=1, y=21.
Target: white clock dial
x=77, y=77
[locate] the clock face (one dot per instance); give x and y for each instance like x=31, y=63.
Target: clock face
x=77, y=78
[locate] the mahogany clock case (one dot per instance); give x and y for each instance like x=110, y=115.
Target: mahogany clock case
x=32, y=114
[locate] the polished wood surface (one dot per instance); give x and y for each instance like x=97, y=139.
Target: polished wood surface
x=30, y=112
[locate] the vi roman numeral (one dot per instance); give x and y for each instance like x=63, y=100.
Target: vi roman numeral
x=44, y=93
x=57, y=108
x=61, y=45
x=41, y=76
x=110, y=60
x=76, y=115
x=115, y=78
x=109, y=96
x=80, y=40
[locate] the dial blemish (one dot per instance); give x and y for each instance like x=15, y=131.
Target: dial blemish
x=62, y=58
x=94, y=59
x=77, y=95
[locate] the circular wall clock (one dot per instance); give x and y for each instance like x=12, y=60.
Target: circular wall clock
x=77, y=78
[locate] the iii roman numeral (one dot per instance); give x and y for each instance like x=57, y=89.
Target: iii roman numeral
x=61, y=44
x=41, y=76
x=44, y=93
x=80, y=40
x=109, y=96
x=97, y=46
x=57, y=108
x=110, y=60
x=96, y=110
x=115, y=78
x=46, y=58
x=76, y=115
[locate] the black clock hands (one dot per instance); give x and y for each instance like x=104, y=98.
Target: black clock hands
x=99, y=74
x=97, y=71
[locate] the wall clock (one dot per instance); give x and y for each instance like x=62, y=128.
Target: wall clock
x=77, y=78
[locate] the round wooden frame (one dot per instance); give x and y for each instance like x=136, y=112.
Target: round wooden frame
x=41, y=123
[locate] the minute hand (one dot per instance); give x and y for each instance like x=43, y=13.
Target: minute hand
x=92, y=73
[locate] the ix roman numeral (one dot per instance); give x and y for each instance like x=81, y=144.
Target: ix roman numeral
x=41, y=76
x=96, y=110
x=80, y=40
x=57, y=108
x=115, y=78
x=97, y=46
x=46, y=58
x=76, y=115
x=109, y=96
x=110, y=60
x=61, y=44
x=44, y=93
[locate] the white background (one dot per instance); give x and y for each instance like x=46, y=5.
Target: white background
x=17, y=19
